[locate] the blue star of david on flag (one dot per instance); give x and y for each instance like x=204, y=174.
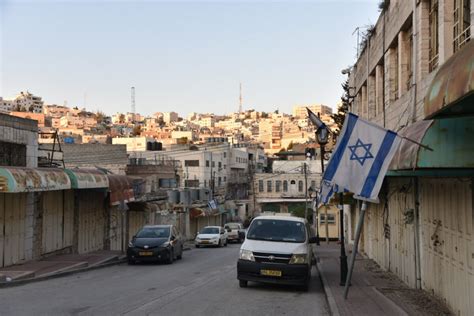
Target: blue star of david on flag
x=365, y=148
x=359, y=160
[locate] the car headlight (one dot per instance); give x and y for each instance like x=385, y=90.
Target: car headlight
x=130, y=244
x=215, y=238
x=246, y=255
x=299, y=259
x=165, y=244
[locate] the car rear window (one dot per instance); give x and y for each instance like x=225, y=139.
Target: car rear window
x=277, y=230
x=210, y=230
x=154, y=232
x=232, y=226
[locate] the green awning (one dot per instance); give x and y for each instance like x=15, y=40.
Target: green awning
x=22, y=179
x=452, y=89
x=87, y=179
x=451, y=140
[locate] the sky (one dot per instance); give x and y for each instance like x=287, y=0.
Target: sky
x=182, y=56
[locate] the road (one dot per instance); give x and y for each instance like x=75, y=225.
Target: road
x=202, y=283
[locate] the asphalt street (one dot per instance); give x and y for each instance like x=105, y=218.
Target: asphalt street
x=202, y=283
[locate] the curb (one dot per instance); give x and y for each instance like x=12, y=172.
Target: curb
x=64, y=273
x=334, y=311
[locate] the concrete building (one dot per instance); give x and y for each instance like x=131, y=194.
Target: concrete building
x=133, y=143
x=299, y=111
x=6, y=105
x=170, y=117
x=27, y=102
x=283, y=190
x=414, y=75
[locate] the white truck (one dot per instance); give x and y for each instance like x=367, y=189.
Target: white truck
x=235, y=232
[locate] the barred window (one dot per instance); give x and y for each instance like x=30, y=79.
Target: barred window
x=285, y=186
x=434, y=36
x=269, y=186
x=462, y=23
x=300, y=186
x=277, y=186
x=260, y=185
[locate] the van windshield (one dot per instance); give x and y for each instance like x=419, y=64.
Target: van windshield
x=277, y=230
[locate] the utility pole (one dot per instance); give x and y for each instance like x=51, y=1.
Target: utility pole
x=343, y=257
x=305, y=190
x=133, y=109
x=240, y=98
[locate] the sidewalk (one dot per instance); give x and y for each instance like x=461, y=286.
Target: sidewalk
x=373, y=291
x=58, y=264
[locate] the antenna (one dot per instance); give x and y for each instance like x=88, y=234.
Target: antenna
x=133, y=103
x=240, y=99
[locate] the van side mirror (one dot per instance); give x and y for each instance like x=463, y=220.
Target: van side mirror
x=313, y=240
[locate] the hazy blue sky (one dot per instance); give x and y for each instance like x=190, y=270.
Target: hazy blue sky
x=181, y=56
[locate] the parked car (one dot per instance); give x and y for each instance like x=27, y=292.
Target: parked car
x=211, y=236
x=277, y=249
x=156, y=243
x=235, y=232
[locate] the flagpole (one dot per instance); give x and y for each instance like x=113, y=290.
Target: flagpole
x=356, y=245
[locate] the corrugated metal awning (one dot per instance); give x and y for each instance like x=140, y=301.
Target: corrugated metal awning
x=121, y=190
x=87, y=179
x=452, y=89
x=450, y=138
x=22, y=179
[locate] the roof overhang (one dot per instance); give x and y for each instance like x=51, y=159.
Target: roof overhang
x=121, y=190
x=87, y=179
x=452, y=89
x=451, y=141
x=22, y=179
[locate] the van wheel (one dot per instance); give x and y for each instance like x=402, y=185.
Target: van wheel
x=243, y=283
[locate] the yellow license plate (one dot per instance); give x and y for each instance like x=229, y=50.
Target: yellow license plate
x=276, y=273
x=146, y=253
x=204, y=242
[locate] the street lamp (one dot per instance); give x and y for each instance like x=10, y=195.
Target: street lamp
x=322, y=135
x=311, y=190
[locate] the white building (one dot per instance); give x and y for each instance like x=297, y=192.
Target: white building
x=25, y=102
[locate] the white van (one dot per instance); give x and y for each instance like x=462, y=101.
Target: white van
x=277, y=250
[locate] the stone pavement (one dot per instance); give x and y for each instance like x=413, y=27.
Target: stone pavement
x=373, y=291
x=57, y=264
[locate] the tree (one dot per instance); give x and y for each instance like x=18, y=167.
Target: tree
x=340, y=116
x=100, y=116
x=137, y=130
x=122, y=118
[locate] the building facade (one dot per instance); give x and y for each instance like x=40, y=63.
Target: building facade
x=414, y=76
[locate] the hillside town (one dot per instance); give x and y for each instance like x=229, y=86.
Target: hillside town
x=360, y=207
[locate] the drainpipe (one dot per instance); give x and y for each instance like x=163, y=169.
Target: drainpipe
x=384, y=78
x=414, y=58
x=417, y=233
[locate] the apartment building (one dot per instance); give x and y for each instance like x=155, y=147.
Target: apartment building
x=300, y=111
x=25, y=102
x=414, y=75
x=170, y=117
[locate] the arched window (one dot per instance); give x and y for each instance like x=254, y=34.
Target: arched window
x=300, y=186
x=285, y=186
x=293, y=182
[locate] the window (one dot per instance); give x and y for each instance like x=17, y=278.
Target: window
x=331, y=218
x=285, y=186
x=225, y=179
x=191, y=163
x=293, y=182
x=260, y=185
x=213, y=164
x=191, y=183
x=434, y=36
x=219, y=181
x=225, y=166
x=396, y=62
x=207, y=163
x=277, y=186
x=269, y=186
x=313, y=184
x=300, y=186
x=462, y=23
x=225, y=154
x=205, y=183
x=219, y=165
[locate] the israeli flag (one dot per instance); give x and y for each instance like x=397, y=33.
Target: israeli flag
x=360, y=159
